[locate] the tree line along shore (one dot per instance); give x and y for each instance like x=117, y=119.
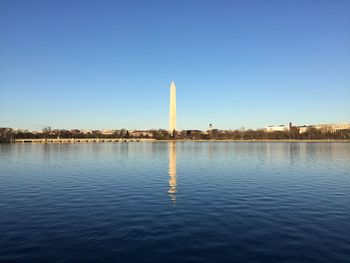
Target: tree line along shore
x=311, y=134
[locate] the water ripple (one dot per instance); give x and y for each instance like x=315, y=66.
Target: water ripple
x=175, y=202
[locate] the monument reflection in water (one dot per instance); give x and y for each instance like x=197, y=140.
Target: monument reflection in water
x=172, y=171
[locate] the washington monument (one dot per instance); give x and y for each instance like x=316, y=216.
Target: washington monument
x=172, y=110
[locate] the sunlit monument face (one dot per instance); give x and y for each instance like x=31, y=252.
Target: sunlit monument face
x=172, y=111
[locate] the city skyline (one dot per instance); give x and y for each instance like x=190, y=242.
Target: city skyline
x=91, y=66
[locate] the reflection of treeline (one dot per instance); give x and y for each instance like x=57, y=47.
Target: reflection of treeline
x=260, y=134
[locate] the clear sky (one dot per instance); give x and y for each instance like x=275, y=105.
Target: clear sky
x=109, y=64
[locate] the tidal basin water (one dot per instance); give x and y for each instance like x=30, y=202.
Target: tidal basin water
x=175, y=202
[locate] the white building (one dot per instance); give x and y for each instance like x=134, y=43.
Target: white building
x=140, y=133
x=325, y=127
x=340, y=127
x=277, y=128
x=107, y=131
x=303, y=129
x=332, y=127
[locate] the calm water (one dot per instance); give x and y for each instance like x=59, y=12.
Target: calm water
x=175, y=202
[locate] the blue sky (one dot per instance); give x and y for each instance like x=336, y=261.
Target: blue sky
x=109, y=64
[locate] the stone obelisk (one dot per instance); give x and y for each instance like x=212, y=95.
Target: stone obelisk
x=172, y=109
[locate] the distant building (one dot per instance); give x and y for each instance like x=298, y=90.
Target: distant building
x=340, y=127
x=277, y=128
x=210, y=129
x=140, y=133
x=17, y=130
x=304, y=128
x=107, y=132
x=85, y=131
x=326, y=127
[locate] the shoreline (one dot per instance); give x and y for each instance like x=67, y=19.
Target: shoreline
x=114, y=140
x=257, y=140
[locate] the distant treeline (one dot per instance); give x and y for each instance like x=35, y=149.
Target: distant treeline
x=261, y=134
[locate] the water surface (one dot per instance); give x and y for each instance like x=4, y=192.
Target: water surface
x=175, y=202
